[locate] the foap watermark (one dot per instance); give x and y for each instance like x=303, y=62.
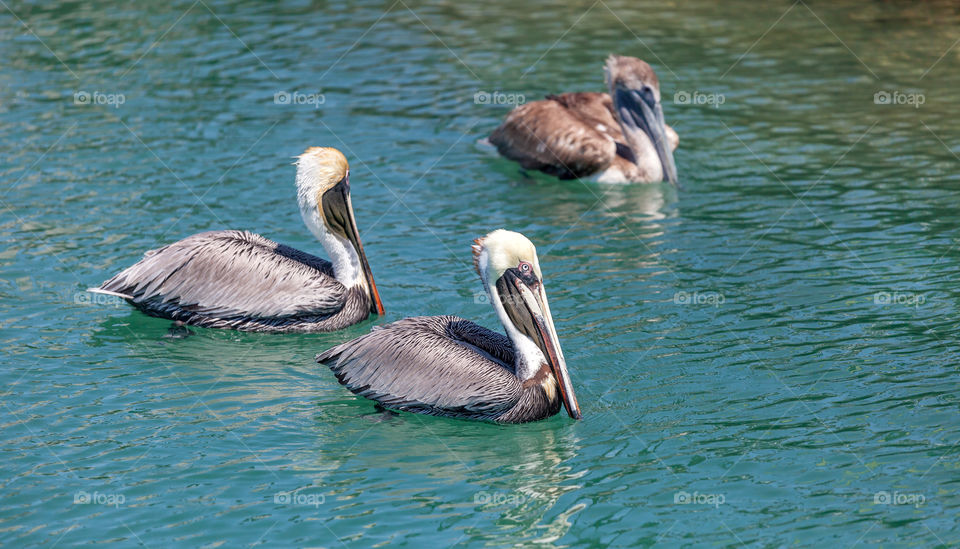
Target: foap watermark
x=697, y=297
x=297, y=98
x=895, y=97
x=902, y=299
x=99, y=300
x=697, y=498
x=481, y=298
x=499, y=498
x=98, y=498
x=499, y=98
x=698, y=97
x=884, y=497
x=99, y=98
x=296, y=497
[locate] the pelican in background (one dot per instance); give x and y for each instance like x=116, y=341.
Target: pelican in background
x=620, y=137
x=448, y=366
x=243, y=281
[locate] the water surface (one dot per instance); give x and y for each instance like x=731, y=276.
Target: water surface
x=765, y=357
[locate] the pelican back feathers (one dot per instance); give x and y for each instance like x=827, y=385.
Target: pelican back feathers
x=240, y=280
x=442, y=366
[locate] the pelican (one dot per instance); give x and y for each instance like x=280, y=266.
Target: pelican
x=619, y=137
x=243, y=281
x=448, y=366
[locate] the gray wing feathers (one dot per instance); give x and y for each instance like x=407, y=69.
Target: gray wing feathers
x=494, y=344
x=421, y=364
x=230, y=274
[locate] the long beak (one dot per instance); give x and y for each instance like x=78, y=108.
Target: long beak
x=337, y=204
x=536, y=304
x=648, y=117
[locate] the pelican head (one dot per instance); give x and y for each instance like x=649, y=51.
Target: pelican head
x=323, y=191
x=635, y=90
x=507, y=264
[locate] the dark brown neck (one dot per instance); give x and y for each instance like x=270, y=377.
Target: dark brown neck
x=538, y=378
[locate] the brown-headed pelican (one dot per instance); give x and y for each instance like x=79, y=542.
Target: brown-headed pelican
x=447, y=366
x=243, y=281
x=619, y=137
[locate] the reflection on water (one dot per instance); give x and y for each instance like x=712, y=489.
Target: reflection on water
x=777, y=334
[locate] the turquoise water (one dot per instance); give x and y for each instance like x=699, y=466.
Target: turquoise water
x=766, y=357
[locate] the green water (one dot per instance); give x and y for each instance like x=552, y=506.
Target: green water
x=766, y=357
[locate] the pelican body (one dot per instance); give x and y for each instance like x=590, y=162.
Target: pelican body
x=615, y=137
x=448, y=366
x=243, y=281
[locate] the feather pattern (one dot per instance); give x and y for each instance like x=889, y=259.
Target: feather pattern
x=553, y=138
x=571, y=135
x=240, y=280
x=441, y=365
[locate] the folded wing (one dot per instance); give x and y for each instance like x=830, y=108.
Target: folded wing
x=440, y=365
x=228, y=274
x=553, y=138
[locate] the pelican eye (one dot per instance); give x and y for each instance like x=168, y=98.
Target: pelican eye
x=525, y=270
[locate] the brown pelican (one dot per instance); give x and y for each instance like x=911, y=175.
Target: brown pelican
x=619, y=137
x=243, y=281
x=447, y=366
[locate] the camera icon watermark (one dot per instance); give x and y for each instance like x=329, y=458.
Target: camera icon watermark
x=904, y=299
x=298, y=98
x=499, y=498
x=895, y=97
x=697, y=297
x=82, y=497
x=884, y=497
x=499, y=98
x=481, y=298
x=696, y=498
x=84, y=98
x=698, y=97
x=295, y=497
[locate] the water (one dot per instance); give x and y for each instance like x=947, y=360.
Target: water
x=766, y=357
